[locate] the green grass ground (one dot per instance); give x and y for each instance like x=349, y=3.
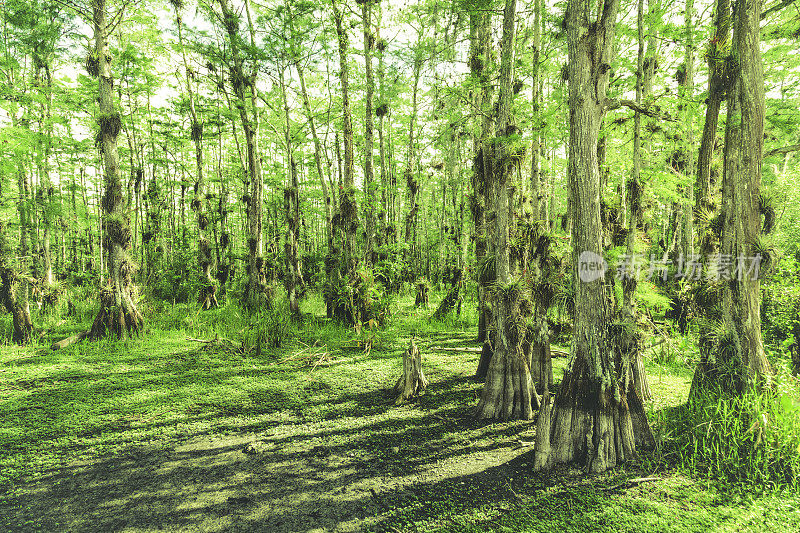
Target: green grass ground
x=162, y=432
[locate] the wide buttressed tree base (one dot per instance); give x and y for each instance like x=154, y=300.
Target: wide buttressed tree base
x=597, y=419
x=509, y=391
x=117, y=315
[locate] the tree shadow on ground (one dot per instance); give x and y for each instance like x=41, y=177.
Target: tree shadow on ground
x=296, y=477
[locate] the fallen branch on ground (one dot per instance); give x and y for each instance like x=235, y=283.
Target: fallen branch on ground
x=69, y=341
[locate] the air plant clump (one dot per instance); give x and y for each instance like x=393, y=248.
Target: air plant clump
x=93, y=64
x=348, y=209
x=635, y=190
x=117, y=230
x=769, y=255
x=110, y=124
x=197, y=131
x=767, y=210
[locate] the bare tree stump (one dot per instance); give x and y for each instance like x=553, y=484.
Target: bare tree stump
x=413, y=380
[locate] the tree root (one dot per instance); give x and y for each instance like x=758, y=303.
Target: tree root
x=120, y=320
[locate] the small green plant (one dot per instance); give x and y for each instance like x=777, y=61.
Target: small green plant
x=267, y=330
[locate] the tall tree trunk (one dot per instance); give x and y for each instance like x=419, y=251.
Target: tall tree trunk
x=686, y=93
x=207, y=296
x=291, y=199
x=634, y=186
x=118, y=312
x=23, y=184
x=720, y=79
x=369, y=178
x=255, y=295
x=597, y=417
x=538, y=193
x=411, y=174
x=480, y=59
x=348, y=211
x=508, y=391
x=225, y=261
x=382, y=110
x=740, y=361
x=45, y=193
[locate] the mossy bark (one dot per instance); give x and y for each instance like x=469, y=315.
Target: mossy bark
x=597, y=418
x=207, y=297
x=348, y=210
x=295, y=286
x=739, y=361
x=509, y=391
x=480, y=59
x=118, y=312
x=369, y=178
x=721, y=69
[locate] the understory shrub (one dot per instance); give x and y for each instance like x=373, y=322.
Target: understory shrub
x=360, y=300
x=179, y=281
x=780, y=311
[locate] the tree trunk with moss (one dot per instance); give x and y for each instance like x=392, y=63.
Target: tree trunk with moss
x=480, y=59
x=369, y=134
x=118, y=312
x=538, y=200
x=255, y=295
x=44, y=195
x=11, y=284
x=635, y=189
x=291, y=199
x=597, y=418
x=207, y=296
x=509, y=390
x=411, y=174
x=739, y=361
x=687, y=109
x=720, y=81
x=348, y=210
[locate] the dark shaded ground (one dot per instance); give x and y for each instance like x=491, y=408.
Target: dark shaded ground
x=337, y=475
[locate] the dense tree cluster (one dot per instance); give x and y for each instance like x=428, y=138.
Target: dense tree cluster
x=214, y=149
